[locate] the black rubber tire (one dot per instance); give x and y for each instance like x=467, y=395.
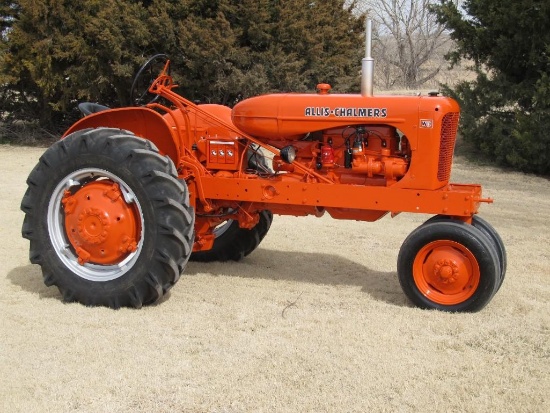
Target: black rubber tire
x=493, y=236
x=235, y=243
x=497, y=242
x=468, y=236
x=167, y=219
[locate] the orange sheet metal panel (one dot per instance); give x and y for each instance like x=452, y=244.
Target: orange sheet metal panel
x=141, y=121
x=284, y=116
x=457, y=200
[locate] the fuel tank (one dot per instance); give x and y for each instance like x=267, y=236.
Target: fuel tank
x=288, y=116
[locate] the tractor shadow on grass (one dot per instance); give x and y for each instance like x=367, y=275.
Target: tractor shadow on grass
x=301, y=267
x=29, y=278
x=308, y=267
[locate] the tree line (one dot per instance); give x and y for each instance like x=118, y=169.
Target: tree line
x=506, y=108
x=56, y=53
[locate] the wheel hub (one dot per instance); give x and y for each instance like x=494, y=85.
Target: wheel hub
x=100, y=225
x=93, y=225
x=446, y=271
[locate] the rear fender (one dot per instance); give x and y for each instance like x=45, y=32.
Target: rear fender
x=141, y=121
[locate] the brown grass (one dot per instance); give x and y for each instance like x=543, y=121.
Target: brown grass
x=314, y=320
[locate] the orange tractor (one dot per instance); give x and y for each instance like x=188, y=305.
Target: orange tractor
x=116, y=208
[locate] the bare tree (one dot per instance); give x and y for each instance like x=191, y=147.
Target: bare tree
x=410, y=42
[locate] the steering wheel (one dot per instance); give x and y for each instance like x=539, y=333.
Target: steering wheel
x=139, y=92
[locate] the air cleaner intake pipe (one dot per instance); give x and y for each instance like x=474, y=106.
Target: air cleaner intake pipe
x=367, y=64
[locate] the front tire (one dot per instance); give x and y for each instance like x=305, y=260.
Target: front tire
x=448, y=265
x=491, y=233
x=107, y=219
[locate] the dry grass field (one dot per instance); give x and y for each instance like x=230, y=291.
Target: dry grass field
x=313, y=321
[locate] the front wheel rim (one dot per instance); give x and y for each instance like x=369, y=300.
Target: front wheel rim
x=64, y=245
x=446, y=272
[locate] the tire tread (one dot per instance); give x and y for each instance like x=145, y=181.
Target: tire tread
x=166, y=194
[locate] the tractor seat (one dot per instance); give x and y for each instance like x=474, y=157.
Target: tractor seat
x=87, y=108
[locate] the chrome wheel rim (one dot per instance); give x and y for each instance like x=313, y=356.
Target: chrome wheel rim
x=60, y=241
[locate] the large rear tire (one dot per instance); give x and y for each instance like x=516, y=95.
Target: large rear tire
x=107, y=219
x=448, y=265
x=235, y=243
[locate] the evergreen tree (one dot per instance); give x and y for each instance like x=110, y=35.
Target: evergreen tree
x=59, y=52
x=8, y=11
x=234, y=49
x=506, y=110
x=55, y=53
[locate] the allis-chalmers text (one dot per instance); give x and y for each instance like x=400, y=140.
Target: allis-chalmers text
x=347, y=112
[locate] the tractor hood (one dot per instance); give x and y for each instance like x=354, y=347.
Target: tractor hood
x=288, y=116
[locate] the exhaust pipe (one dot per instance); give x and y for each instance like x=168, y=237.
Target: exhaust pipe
x=367, y=64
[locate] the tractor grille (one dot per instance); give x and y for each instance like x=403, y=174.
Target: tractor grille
x=449, y=126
